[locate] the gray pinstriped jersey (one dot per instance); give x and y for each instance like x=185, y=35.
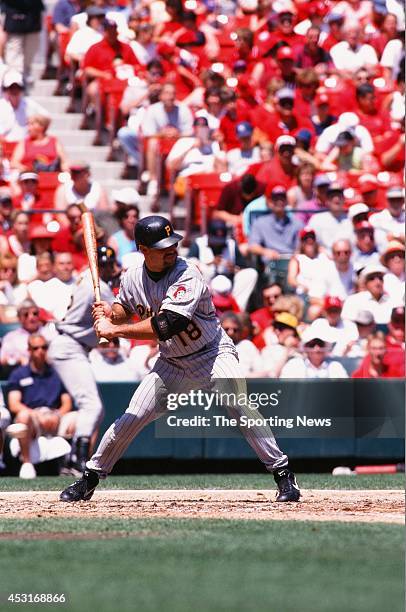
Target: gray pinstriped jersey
x=181, y=290
x=78, y=321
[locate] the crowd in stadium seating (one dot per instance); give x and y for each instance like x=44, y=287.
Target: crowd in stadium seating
x=277, y=124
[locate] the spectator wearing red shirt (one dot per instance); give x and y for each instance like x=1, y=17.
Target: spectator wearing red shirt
x=284, y=30
x=235, y=112
x=379, y=362
x=69, y=239
x=235, y=196
x=335, y=22
x=387, y=30
x=30, y=197
x=306, y=91
x=263, y=317
x=395, y=340
x=310, y=54
x=280, y=170
x=285, y=59
x=376, y=120
x=100, y=60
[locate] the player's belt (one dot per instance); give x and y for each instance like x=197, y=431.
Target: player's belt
x=64, y=333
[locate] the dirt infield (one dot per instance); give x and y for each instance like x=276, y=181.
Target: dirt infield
x=368, y=506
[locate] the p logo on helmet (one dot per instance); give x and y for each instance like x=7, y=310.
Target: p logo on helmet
x=168, y=230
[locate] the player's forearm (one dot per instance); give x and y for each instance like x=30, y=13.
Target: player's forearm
x=142, y=330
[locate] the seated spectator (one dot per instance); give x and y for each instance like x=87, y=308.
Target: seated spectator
x=81, y=188
x=110, y=364
x=335, y=277
x=234, y=198
x=213, y=108
x=316, y=362
x=143, y=46
x=275, y=233
x=12, y=292
x=249, y=357
x=322, y=118
x=194, y=154
x=357, y=213
x=389, y=224
x=346, y=155
x=163, y=120
x=14, y=346
x=221, y=289
x=346, y=121
x=38, y=400
x=395, y=339
x=275, y=355
x=127, y=216
x=263, y=317
x=307, y=263
x=302, y=195
x=15, y=108
x=241, y=158
x=40, y=244
x=365, y=250
x=365, y=325
x=375, y=119
x=17, y=240
x=394, y=260
x=352, y=54
x=292, y=304
x=53, y=291
x=372, y=297
x=6, y=208
x=310, y=54
x=335, y=23
x=234, y=112
x=329, y=225
x=281, y=170
x=344, y=331
x=83, y=38
x=379, y=362
x=69, y=239
x=38, y=151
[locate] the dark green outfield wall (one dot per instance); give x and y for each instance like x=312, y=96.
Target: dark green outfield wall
x=369, y=413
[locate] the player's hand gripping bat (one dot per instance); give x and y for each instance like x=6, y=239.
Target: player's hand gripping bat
x=89, y=235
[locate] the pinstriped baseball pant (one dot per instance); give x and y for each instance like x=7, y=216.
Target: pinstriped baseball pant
x=145, y=406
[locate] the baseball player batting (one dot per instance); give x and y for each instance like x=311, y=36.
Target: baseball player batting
x=174, y=304
x=68, y=354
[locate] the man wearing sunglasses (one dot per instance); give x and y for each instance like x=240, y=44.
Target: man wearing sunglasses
x=38, y=400
x=14, y=347
x=315, y=362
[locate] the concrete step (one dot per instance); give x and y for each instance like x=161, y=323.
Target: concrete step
x=70, y=138
x=43, y=88
x=53, y=104
x=66, y=121
x=106, y=170
x=89, y=154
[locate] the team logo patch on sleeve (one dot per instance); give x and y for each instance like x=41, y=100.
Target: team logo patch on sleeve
x=180, y=292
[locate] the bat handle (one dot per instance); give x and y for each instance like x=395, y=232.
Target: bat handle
x=97, y=297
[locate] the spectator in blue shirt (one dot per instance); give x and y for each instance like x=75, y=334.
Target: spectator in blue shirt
x=275, y=233
x=38, y=400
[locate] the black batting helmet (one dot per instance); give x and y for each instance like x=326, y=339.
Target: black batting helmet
x=105, y=255
x=155, y=232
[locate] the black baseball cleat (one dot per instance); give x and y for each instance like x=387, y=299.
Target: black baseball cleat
x=287, y=485
x=82, y=489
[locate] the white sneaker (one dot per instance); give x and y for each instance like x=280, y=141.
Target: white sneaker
x=27, y=471
x=152, y=188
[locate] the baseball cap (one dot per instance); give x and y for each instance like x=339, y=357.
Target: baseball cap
x=367, y=182
x=335, y=17
x=287, y=319
x=221, y=285
x=344, y=138
x=127, y=195
x=318, y=330
x=318, y=7
x=304, y=135
x=109, y=23
x=379, y=6
x=284, y=6
x=5, y=196
x=285, y=140
x=78, y=166
x=12, y=77
x=374, y=268
x=364, y=317
x=321, y=180
x=335, y=186
x=332, y=302
x=285, y=94
x=398, y=315
x=285, y=53
x=395, y=192
x=276, y=191
x=28, y=176
x=248, y=5
x=95, y=11
x=39, y=231
x=363, y=225
x=307, y=232
x=244, y=129
x=217, y=233
x=348, y=120
x=393, y=246
x=200, y=121
x=357, y=209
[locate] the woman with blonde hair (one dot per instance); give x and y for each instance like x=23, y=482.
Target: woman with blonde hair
x=38, y=151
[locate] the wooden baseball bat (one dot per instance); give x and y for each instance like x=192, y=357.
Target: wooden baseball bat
x=89, y=235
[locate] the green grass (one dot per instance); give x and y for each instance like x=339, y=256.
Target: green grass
x=220, y=481
x=173, y=565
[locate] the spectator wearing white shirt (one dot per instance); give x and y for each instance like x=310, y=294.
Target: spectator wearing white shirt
x=83, y=38
x=336, y=277
x=316, y=362
x=372, y=298
x=276, y=354
x=365, y=251
x=390, y=222
x=15, y=108
x=365, y=324
x=329, y=225
x=54, y=294
x=394, y=260
x=343, y=331
x=351, y=54
x=345, y=121
x=242, y=157
x=248, y=355
x=307, y=263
